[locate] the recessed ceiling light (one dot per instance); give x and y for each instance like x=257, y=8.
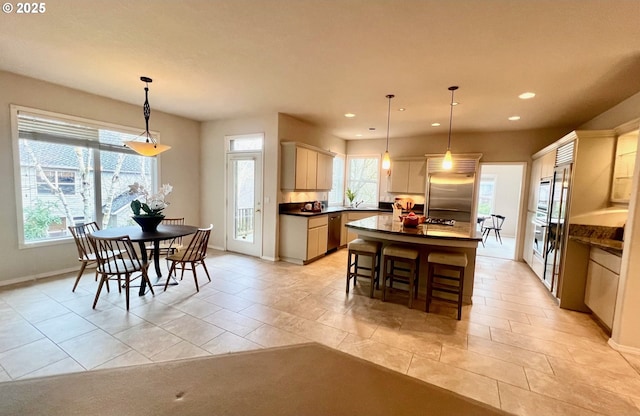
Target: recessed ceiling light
x=514, y=118
x=349, y=115
x=526, y=95
x=455, y=103
x=401, y=109
x=358, y=135
x=435, y=124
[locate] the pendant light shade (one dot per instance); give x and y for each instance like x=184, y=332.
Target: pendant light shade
x=386, y=159
x=150, y=147
x=447, y=162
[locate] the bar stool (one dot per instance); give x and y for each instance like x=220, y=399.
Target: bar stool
x=360, y=247
x=409, y=260
x=455, y=262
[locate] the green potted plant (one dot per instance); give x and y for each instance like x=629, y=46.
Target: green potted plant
x=351, y=196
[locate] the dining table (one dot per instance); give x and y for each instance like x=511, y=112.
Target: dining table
x=135, y=234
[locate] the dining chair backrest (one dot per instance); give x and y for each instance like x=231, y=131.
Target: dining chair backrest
x=176, y=242
x=81, y=234
x=127, y=261
x=197, y=248
x=498, y=220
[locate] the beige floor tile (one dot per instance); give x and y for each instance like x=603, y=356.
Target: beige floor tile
x=633, y=360
x=228, y=342
x=606, y=360
x=233, y=322
x=526, y=403
x=269, y=336
x=514, y=316
x=515, y=355
x=262, y=313
x=526, y=342
x=4, y=376
x=16, y=333
x=157, y=313
x=464, y=382
x=40, y=311
x=196, y=307
x=490, y=321
x=517, y=307
x=31, y=357
x=484, y=365
x=348, y=323
x=227, y=301
x=608, y=380
x=127, y=359
x=560, y=337
x=194, y=330
x=147, y=339
x=114, y=320
x=530, y=299
x=180, y=351
x=64, y=327
x=582, y=330
x=307, y=307
x=409, y=341
x=64, y=366
x=382, y=354
x=580, y=394
x=94, y=348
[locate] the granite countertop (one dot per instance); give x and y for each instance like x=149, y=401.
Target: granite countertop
x=386, y=225
x=607, y=238
x=330, y=210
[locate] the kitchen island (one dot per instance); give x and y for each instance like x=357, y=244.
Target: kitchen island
x=459, y=238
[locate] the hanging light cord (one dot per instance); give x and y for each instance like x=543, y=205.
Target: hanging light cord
x=452, y=89
x=390, y=96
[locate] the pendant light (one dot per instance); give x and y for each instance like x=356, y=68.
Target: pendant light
x=447, y=162
x=386, y=159
x=150, y=147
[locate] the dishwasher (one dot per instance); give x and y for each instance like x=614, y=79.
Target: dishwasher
x=333, y=239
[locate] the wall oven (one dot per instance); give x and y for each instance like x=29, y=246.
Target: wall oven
x=539, y=238
x=544, y=200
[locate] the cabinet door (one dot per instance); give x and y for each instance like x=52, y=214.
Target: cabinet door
x=312, y=169
x=325, y=172
x=548, y=164
x=416, y=177
x=529, y=232
x=302, y=156
x=536, y=174
x=601, y=292
x=312, y=242
x=399, y=179
x=323, y=236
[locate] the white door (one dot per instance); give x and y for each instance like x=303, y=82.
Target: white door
x=244, y=206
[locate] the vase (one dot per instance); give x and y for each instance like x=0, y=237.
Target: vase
x=147, y=223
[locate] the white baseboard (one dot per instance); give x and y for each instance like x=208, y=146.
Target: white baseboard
x=35, y=277
x=623, y=348
x=274, y=259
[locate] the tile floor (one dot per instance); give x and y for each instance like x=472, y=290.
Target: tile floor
x=513, y=349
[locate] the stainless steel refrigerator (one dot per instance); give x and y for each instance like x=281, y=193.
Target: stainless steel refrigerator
x=557, y=224
x=450, y=196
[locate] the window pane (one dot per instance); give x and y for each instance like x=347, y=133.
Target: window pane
x=336, y=196
x=486, y=194
x=118, y=171
x=246, y=143
x=363, y=179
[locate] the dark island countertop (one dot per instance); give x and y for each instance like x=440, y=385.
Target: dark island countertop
x=330, y=210
x=384, y=224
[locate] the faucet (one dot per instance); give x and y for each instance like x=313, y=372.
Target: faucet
x=358, y=203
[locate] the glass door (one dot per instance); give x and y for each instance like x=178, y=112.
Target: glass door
x=244, y=209
x=556, y=227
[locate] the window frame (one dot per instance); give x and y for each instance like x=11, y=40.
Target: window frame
x=378, y=159
x=95, y=145
x=341, y=202
x=489, y=177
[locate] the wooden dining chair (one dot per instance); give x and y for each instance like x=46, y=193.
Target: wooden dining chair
x=123, y=266
x=169, y=246
x=194, y=255
x=86, y=252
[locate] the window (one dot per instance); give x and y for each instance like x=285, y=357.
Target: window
x=74, y=171
x=363, y=177
x=52, y=181
x=486, y=194
x=336, y=196
x=248, y=142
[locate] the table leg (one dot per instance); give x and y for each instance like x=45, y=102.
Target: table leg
x=156, y=257
x=143, y=283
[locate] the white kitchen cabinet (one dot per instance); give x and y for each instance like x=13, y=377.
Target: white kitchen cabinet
x=529, y=232
x=534, y=184
x=624, y=165
x=407, y=176
x=349, y=216
x=602, y=284
x=303, y=239
x=548, y=164
x=305, y=168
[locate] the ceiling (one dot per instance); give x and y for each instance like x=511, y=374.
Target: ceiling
x=317, y=60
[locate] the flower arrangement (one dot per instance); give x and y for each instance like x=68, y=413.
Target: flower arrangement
x=153, y=203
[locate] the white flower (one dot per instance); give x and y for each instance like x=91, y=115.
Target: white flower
x=151, y=205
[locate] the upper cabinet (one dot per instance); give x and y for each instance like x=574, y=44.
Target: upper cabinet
x=624, y=165
x=407, y=176
x=548, y=163
x=305, y=168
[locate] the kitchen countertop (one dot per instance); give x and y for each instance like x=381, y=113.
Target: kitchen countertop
x=330, y=210
x=461, y=231
x=604, y=237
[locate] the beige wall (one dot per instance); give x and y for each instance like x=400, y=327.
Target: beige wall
x=178, y=166
x=213, y=174
x=508, y=186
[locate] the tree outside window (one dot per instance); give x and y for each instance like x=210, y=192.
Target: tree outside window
x=336, y=196
x=486, y=194
x=363, y=179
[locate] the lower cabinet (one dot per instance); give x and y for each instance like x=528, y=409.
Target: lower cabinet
x=602, y=284
x=303, y=239
x=347, y=216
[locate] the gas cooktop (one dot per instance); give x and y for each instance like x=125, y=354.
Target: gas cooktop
x=439, y=221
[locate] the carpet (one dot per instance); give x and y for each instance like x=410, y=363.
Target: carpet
x=306, y=379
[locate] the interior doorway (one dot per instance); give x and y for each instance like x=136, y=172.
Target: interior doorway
x=500, y=193
x=244, y=195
